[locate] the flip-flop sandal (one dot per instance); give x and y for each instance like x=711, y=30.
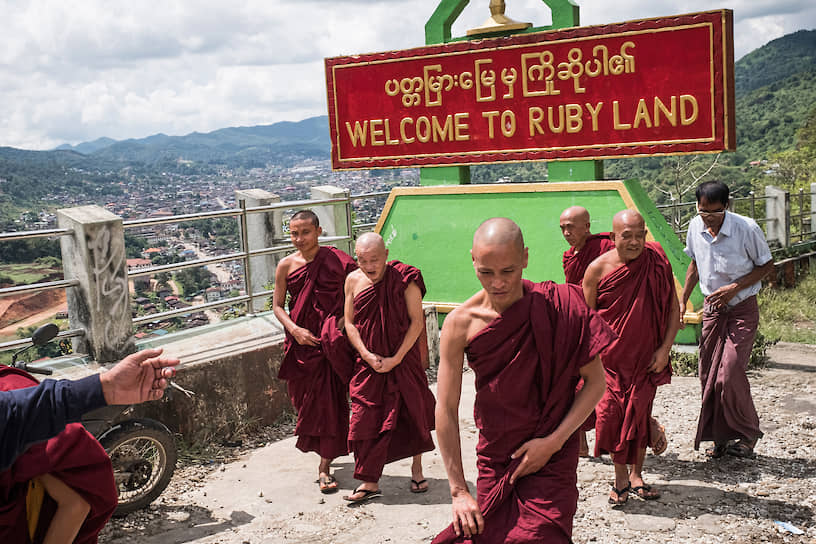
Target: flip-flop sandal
x=716, y=451
x=645, y=492
x=619, y=492
x=740, y=449
x=367, y=496
x=325, y=483
x=416, y=487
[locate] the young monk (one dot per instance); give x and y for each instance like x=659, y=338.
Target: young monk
x=314, y=277
x=632, y=287
x=528, y=344
x=57, y=492
x=391, y=405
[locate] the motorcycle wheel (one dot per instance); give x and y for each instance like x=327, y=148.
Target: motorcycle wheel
x=143, y=455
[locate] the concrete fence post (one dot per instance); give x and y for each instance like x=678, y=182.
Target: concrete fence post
x=263, y=230
x=95, y=256
x=813, y=208
x=777, y=212
x=333, y=217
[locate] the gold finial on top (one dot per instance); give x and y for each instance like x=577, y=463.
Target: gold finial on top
x=498, y=21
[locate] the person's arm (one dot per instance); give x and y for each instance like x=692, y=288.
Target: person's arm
x=373, y=360
x=590, y=285
x=536, y=453
x=413, y=302
x=301, y=335
x=38, y=413
x=692, y=277
x=724, y=294
x=661, y=355
x=70, y=514
x=467, y=518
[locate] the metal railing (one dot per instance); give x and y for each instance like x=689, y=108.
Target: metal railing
x=679, y=218
x=244, y=255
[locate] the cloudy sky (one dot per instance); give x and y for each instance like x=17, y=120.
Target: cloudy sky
x=76, y=71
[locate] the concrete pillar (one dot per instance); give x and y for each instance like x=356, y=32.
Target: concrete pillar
x=333, y=217
x=263, y=230
x=813, y=208
x=432, y=330
x=777, y=213
x=95, y=256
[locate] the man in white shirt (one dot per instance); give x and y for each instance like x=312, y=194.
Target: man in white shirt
x=729, y=257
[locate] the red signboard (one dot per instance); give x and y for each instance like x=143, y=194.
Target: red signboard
x=650, y=87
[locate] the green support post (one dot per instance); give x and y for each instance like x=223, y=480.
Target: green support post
x=565, y=14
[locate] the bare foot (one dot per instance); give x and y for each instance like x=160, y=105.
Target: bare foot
x=659, y=443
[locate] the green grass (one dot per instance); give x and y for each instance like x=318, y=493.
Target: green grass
x=26, y=273
x=789, y=315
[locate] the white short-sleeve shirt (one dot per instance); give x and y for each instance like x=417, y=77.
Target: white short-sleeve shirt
x=733, y=253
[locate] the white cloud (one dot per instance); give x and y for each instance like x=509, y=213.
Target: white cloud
x=71, y=72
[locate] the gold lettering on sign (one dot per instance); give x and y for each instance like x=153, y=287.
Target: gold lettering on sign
x=642, y=114
x=543, y=71
x=485, y=79
x=669, y=113
x=403, y=135
x=536, y=116
x=556, y=129
x=460, y=126
x=594, y=113
x=359, y=133
x=616, y=117
x=442, y=132
x=490, y=116
x=688, y=117
x=574, y=121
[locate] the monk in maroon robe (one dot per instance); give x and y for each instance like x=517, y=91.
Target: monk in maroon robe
x=585, y=247
x=392, y=408
x=528, y=344
x=632, y=288
x=64, y=485
x=313, y=277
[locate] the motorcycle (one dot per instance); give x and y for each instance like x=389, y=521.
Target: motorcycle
x=142, y=451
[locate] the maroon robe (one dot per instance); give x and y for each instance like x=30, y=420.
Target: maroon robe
x=317, y=392
x=636, y=300
x=392, y=414
x=74, y=457
x=527, y=363
x=575, y=264
x=727, y=410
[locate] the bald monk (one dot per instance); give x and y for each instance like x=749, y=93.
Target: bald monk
x=391, y=405
x=528, y=344
x=585, y=247
x=59, y=491
x=313, y=276
x=632, y=287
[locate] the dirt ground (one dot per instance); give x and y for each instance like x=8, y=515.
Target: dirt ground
x=268, y=494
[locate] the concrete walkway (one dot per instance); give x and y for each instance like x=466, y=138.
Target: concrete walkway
x=270, y=496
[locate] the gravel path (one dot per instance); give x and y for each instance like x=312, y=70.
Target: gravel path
x=268, y=495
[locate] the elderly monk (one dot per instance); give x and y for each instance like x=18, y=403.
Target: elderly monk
x=314, y=278
x=585, y=247
x=528, y=344
x=729, y=257
x=59, y=491
x=391, y=405
x=632, y=288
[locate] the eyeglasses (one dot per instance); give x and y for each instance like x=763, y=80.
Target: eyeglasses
x=705, y=213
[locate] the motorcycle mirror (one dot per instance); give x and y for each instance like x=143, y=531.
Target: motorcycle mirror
x=44, y=334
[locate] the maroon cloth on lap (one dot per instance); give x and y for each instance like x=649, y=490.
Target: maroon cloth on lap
x=636, y=300
x=317, y=392
x=727, y=410
x=575, y=264
x=392, y=414
x=527, y=363
x=74, y=457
